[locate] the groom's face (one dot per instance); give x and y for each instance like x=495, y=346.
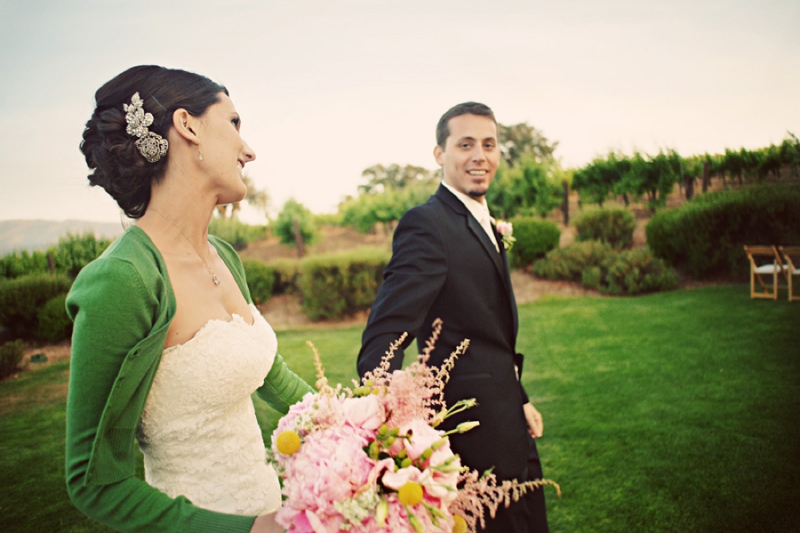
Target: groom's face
x=470, y=157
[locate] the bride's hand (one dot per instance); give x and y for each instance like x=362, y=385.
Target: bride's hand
x=266, y=524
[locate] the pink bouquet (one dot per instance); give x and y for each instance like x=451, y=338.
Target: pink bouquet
x=371, y=458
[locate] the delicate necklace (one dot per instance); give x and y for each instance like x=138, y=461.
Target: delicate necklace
x=213, y=274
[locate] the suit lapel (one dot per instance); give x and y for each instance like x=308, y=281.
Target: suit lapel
x=507, y=277
x=484, y=239
x=498, y=259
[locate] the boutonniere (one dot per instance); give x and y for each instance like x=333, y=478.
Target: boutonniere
x=506, y=231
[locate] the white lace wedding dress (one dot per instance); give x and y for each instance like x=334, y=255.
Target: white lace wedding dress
x=199, y=432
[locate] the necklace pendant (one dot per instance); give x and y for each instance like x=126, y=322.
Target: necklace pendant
x=216, y=280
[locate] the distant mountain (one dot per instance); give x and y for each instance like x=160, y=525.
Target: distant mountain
x=40, y=234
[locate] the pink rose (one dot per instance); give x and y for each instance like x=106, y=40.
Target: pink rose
x=365, y=412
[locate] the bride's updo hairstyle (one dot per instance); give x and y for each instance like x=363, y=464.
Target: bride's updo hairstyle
x=117, y=164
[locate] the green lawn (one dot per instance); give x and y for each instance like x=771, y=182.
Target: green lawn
x=664, y=413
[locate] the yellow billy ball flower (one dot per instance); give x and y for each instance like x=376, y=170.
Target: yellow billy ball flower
x=410, y=493
x=459, y=524
x=288, y=442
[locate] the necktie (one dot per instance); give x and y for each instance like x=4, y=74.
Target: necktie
x=486, y=224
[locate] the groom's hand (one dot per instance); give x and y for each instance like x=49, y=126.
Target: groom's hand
x=534, y=419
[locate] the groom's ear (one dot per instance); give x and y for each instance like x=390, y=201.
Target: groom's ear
x=438, y=154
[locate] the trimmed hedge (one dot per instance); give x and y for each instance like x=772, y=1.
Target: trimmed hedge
x=534, y=238
x=260, y=280
x=339, y=285
x=705, y=235
x=611, y=226
x=287, y=274
x=53, y=323
x=237, y=233
x=598, y=266
x=23, y=297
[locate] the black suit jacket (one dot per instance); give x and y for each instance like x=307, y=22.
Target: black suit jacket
x=445, y=266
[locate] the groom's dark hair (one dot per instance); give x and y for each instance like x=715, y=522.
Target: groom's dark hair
x=467, y=108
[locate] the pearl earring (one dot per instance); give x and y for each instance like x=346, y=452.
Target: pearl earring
x=200, y=154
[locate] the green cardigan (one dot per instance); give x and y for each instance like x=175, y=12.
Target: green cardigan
x=122, y=305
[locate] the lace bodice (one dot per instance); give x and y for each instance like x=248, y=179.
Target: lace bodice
x=199, y=433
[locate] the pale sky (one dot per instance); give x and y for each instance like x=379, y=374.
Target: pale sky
x=329, y=88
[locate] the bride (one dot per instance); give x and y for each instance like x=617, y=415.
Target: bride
x=167, y=346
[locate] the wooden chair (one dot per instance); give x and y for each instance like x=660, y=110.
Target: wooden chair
x=760, y=267
x=791, y=257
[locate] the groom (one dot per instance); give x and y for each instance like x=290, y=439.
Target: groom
x=449, y=262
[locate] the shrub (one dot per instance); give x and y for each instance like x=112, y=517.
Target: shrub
x=74, y=252
x=611, y=226
x=235, y=232
x=598, y=266
x=70, y=255
x=20, y=263
x=54, y=325
x=260, y=280
x=635, y=272
x=534, y=238
x=569, y=263
x=21, y=299
x=286, y=273
x=11, y=354
x=705, y=235
x=339, y=285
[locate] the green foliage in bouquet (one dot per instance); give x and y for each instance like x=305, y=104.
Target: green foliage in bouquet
x=338, y=285
x=611, y=226
x=534, y=238
x=705, y=236
x=21, y=299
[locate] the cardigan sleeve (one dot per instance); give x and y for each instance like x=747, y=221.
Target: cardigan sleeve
x=282, y=388
x=114, y=310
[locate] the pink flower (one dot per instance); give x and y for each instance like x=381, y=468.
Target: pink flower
x=395, y=480
x=366, y=412
x=422, y=437
x=504, y=228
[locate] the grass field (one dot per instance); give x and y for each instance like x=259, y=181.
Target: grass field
x=675, y=412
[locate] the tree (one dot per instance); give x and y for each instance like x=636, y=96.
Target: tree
x=381, y=179
x=521, y=140
x=529, y=188
x=790, y=153
x=296, y=225
x=368, y=209
x=258, y=198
